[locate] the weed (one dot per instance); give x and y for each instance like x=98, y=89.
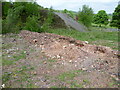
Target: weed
x=74, y=85
x=6, y=46
x=86, y=81
x=68, y=75
x=50, y=60
x=15, y=58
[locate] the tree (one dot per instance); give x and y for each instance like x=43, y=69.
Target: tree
x=116, y=17
x=5, y=7
x=86, y=15
x=101, y=18
x=65, y=11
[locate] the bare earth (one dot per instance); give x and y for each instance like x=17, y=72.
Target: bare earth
x=58, y=61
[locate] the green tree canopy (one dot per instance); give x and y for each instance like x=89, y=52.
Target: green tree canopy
x=101, y=18
x=86, y=15
x=116, y=17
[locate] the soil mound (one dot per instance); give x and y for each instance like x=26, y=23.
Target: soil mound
x=84, y=55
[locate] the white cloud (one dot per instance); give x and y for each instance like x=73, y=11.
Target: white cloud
x=74, y=5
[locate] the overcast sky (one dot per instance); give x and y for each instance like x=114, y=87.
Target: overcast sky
x=74, y=5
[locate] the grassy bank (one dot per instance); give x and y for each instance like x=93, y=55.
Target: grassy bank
x=109, y=39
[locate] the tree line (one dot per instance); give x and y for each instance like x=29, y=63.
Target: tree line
x=17, y=16
x=87, y=17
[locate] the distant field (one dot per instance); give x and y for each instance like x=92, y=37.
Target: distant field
x=97, y=37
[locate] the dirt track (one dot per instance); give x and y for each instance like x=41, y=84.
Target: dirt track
x=62, y=62
x=70, y=22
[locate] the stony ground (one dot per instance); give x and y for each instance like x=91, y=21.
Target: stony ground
x=44, y=60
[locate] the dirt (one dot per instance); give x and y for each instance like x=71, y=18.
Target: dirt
x=71, y=23
x=60, y=61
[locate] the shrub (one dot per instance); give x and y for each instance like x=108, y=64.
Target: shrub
x=32, y=24
x=101, y=18
x=10, y=24
x=116, y=17
x=48, y=21
x=85, y=16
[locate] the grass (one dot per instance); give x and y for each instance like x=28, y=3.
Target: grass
x=88, y=36
x=7, y=46
x=18, y=76
x=50, y=60
x=22, y=55
x=103, y=26
x=68, y=75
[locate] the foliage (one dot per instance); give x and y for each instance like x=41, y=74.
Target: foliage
x=18, y=14
x=5, y=7
x=25, y=15
x=101, y=18
x=12, y=21
x=86, y=15
x=65, y=11
x=29, y=9
x=70, y=13
x=116, y=17
x=48, y=21
x=32, y=24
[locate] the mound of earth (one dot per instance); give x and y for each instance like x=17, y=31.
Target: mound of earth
x=44, y=60
x=89, y=57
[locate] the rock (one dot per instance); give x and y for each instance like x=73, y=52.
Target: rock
x=45, y=62
x=43, y=79
x=75, y=61
x=34, y=73
x=86, y=42
x=3, y=86
x=64, y=46
x=9, y=56
x=84, y=69
x=58, y=56
x=35, y=40
x=36, y=45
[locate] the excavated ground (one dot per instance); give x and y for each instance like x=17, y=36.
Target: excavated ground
x=61, y=61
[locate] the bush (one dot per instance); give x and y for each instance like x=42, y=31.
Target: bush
x=101, y=18
x=48, y=21
x=11, y=23
x=32, y=24
x=85, y=16
x=116, y=17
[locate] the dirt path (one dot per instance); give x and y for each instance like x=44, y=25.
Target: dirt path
x=49, y=60
x=71, y=22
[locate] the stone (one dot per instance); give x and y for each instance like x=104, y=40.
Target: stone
x=35, y=40
x=45, y=62
x=86, y=42
x=58, y=56
x=84, y=69
x=70, y=61
x=75, y=61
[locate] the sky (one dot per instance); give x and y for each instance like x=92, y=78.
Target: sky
x=74, y=5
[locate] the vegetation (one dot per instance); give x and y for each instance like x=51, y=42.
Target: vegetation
x=103, y=38
x=24, y=15
x=116, y=17
x=101, y=18
x=86, y=15
x=70, y=13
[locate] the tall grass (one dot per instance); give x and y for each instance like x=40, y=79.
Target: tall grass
x=89, y=36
